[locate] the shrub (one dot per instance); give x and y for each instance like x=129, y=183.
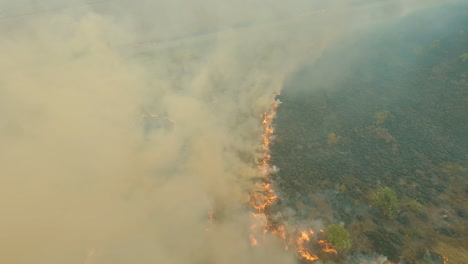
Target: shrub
x=338, y=237
x=464, y=57
x=386, y=199
x=381, y=117
x=343, y=188
x=413, y=205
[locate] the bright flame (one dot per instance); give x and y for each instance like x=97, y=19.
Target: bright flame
x=264, y=196
x=327, y=247
x=303, y=251
x=306, y=254
x=279, y=232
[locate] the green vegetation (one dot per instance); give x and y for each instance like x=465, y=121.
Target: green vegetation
x=464, y=57
x=343, y=188
x=386, y=199
x=338, y=237
x=382, y=116
x=333, y=139
x=412, y=204
x=452, y=169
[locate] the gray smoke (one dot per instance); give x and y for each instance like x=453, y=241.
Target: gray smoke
x=125, y=122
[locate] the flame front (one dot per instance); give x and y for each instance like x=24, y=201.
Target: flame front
x=264, y=197
x=327, y=247
x=301, y=244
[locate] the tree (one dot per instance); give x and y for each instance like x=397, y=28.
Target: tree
x=338, y=237
x=386, y=199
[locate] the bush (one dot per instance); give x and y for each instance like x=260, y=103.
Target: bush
x=412, y=204
x=382, y=116
x=386, y=199
x=464, y=57
x=343, y=188
x=338, y=237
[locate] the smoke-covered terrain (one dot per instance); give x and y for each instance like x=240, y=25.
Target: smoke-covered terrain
x=131, y=131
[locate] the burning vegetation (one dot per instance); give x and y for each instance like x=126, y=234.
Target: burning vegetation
x=308, y=246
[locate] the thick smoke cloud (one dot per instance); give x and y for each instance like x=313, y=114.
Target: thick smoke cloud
x=124, y=123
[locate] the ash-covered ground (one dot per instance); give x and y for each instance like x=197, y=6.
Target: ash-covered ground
x=352, y=123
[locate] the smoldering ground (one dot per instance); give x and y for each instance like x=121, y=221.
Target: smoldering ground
x=123, y=124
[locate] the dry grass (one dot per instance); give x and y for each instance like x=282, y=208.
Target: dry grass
x=453, y=254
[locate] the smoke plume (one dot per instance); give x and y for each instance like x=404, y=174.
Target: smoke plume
x=125, y=123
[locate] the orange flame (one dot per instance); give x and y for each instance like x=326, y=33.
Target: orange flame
x=264, y=196
x=303, y=251
x=327, y=247
x=279, y=232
